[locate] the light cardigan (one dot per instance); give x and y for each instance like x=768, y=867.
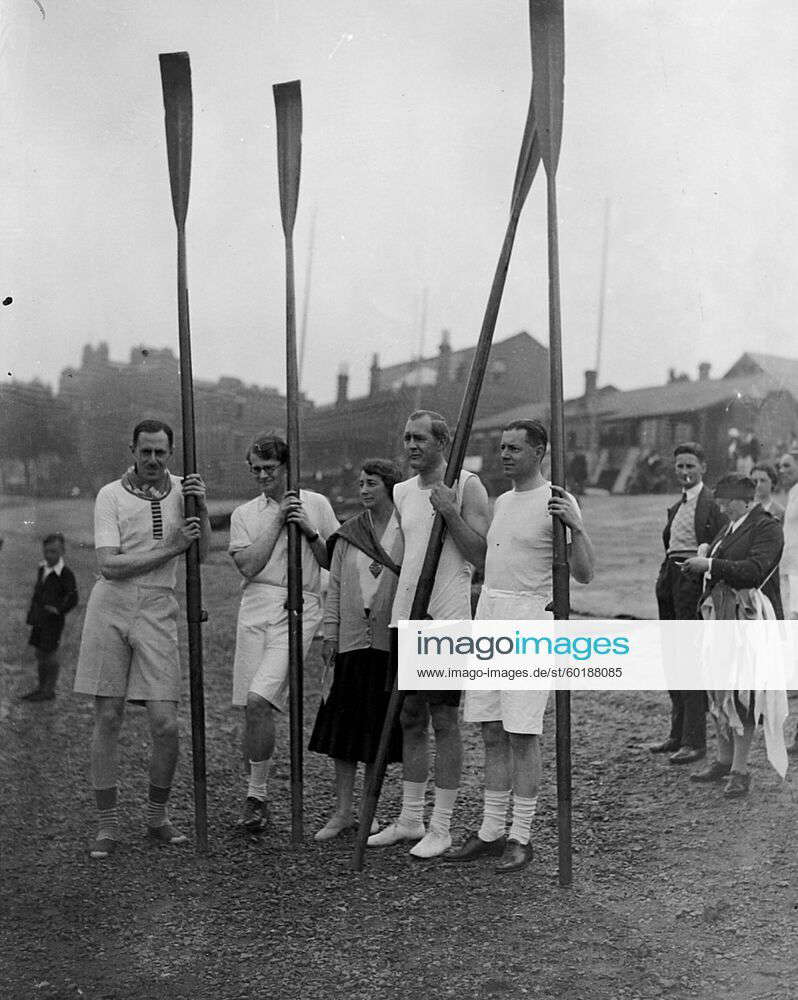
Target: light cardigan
x=345, y=618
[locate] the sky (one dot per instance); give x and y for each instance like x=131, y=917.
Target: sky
x=679, y=115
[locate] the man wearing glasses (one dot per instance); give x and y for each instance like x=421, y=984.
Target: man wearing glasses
x=259, y=547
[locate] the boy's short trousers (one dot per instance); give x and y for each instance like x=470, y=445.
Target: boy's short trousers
x=261, y=658
x=129, y=644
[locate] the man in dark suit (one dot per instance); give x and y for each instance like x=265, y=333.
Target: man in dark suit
x=696, y=519
x=745, y=555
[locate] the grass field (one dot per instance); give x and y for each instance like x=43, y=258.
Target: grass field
x=676, y=892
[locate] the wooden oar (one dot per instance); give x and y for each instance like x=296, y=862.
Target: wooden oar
x=546, y=22
x=176, y=84
x=288, y=106
x=528, y=161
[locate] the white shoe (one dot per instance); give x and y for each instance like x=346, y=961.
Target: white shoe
x=394, y=833
x=432, y=846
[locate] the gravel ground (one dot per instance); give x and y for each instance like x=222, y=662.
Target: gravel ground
x=677, y=893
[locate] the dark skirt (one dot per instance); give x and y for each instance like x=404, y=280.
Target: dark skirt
x=349, y=723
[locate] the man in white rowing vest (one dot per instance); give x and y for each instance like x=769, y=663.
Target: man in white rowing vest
x=465, y=511
x=518, y=587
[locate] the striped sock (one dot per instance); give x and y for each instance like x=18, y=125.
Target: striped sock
x=523, y=814
x=412, y=813
x=258, y=785
x=494, y=815
x=107, y=815
x=156, y=806
x=441, y=819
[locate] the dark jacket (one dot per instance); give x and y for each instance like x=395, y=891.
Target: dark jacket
x=708, y=519
x=748, y=555
x=55, y=591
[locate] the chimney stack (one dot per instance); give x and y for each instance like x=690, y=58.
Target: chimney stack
x=374, y=375
x=591, y=381
x=444, y=358
x=703, y=371
x=343, y=385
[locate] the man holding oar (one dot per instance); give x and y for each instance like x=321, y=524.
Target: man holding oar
x=129, y=646
x=465, y=512
x=518, y=587
x=259, y=547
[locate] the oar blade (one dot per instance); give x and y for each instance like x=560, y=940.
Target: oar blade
x=547, y=31
x=288, y=105
x=528, y=160
x=179, y=116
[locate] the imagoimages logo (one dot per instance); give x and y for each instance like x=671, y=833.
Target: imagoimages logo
x=488, y=647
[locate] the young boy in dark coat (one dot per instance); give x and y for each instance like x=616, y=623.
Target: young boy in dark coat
x=54, y=595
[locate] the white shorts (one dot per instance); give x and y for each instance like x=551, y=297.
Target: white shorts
x=261, y=658
x=518, y=711
x=788, y=583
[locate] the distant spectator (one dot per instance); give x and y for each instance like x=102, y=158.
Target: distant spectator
x=766, y=479
x=694, y=520
x=55, y=594
x=747, y=452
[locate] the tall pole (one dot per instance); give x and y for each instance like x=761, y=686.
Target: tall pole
x=176, y=85
x=547, y=31
x=422, y=336
x=288, y=107
x=303, y=329
x=528, y=161
x=603, y=287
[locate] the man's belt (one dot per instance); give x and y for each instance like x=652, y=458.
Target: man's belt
x=679, y=555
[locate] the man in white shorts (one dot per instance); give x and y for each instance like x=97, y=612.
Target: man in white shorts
x=465, y=512
x=259, y=547
x=788, y=568
x=518, y=586
x=128, y=649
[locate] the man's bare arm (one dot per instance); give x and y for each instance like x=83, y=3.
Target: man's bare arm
x=469, y=526
x=117, y=565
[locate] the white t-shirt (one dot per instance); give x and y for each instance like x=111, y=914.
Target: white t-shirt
x=519, y=551
x=249, y=521
x=451, y=594
x=133, y=525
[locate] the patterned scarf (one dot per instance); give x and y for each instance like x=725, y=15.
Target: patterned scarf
x=133, y=483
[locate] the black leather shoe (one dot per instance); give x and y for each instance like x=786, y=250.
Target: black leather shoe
x=38, y=695
x=474, y=848
x=687, y=755
x=667, y=746
x=516, y=856
x=737, y=786
x=715, y=772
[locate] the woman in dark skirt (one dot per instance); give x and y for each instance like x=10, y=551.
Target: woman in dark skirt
x=364, y=571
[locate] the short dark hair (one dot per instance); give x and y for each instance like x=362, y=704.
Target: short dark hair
x=388, y=471
x=689, y=448
x=269, y=446
x=769, y=469
x=54, y=536
x=438, y=426
x=153, y=427
x=536, y=433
